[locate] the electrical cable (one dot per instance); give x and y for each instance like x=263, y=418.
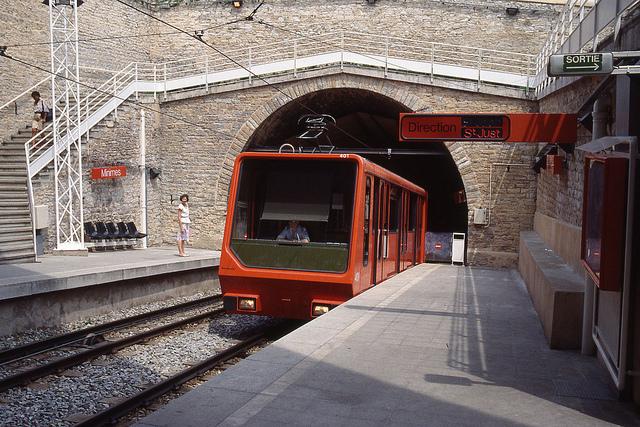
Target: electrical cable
x=91, y=37
x=138, y=104
x=250, y=18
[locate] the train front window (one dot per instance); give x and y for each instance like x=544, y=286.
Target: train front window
x=294, y=214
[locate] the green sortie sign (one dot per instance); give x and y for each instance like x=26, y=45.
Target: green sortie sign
x=580, y=64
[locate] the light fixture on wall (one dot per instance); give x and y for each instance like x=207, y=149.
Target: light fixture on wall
x=237, y=4
x=154, y=173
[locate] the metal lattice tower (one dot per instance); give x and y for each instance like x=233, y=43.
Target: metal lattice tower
x=65, y=100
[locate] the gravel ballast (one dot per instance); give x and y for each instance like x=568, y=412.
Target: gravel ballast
x=63, y=399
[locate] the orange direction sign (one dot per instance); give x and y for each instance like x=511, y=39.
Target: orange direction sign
x=523, y=127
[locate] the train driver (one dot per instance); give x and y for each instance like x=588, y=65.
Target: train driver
x=294, y=231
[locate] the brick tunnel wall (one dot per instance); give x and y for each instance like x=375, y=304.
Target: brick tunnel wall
x=200, y=164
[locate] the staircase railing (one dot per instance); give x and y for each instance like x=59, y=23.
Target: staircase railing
x=19, y=105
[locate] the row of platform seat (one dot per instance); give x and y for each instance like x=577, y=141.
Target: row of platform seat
x=111, y=231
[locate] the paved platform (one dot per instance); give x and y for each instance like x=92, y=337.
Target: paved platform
x=57, y=273
x=435, y=345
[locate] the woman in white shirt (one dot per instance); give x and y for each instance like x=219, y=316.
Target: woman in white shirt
x=183, y=224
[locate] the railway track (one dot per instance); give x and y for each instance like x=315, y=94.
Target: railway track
x=28, y=375
x=25, y=351
x=125, y=407
x=102, y=388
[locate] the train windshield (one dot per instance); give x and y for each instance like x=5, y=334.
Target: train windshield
x=294, y=214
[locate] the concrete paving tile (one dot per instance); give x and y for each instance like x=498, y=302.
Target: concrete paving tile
x=427, y=418
x=199, y=407
x=288, y=353
x=250, y=376
x=290, y=403
x=373, y=412
x=262, y=422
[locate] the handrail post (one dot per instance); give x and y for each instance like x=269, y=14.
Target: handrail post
x=341, y=50
x=155, y=80
x=206, y=73
x=386, y=56
x=479, y=68
x=433, y=57
x=165, y=80
x=250, y=72
x=86, y=118
x=295, y=58
x=528, y=74
x=115, y=113
x=136, y=80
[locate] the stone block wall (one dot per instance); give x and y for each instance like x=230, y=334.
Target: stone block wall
x=200, y=163
x=460, y=22
x=560, y=196
x=113, y=142
x=25, y=30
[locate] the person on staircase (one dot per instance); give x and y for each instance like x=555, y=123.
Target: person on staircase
x=41, y=113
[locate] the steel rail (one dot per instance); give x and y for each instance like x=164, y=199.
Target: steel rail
x=105, y=347
x=110, y=415
x=17, y=353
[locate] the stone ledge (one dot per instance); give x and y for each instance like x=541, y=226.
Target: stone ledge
x=555, y=290
x=60, y=273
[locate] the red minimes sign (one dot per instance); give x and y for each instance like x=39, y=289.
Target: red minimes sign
x=109, y=172
x=520, y=127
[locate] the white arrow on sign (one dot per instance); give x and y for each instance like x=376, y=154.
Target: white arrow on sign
x=593, y=67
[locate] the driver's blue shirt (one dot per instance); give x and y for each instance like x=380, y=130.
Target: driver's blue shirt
x=299, y=233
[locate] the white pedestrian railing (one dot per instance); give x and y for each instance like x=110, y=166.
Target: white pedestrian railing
x=290, y=56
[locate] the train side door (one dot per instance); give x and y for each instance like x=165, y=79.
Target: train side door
x=368, y=241
x=381, y=199
x=404, y=232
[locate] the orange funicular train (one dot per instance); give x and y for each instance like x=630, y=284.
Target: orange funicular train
x=364, y=224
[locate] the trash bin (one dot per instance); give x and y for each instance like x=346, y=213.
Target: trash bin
x=457, y=248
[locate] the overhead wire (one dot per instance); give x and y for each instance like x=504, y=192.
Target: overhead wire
x=138, y=104
x=229, y=58
x=90, y=37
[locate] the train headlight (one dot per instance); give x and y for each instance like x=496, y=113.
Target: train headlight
x=247, y=304
x=320, y=309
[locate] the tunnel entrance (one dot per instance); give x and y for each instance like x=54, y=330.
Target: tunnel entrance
x=367, y=120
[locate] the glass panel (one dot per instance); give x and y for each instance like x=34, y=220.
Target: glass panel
x=413, y=212
x=367, y=197
x=394, y=207
x=283, y=203
x=593, y=217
